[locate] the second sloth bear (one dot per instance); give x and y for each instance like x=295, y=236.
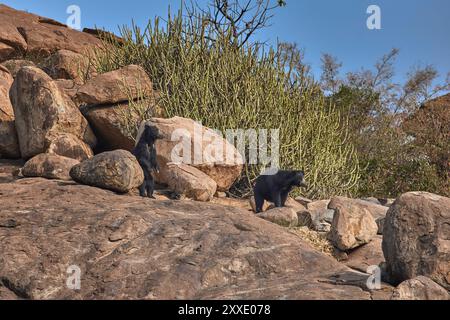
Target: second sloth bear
x=145, y=153
x=276, y=188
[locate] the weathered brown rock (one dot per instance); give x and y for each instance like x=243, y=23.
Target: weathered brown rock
x=116, y=170
x=6, y=80
x=133, y=248
x=320, y=214
x=69, y=87
x=103, y=34
x=291, y=203
x=15, y=65
x=303, y=201
x=44, y=114
x=190, y=182
x=65, y=64
x=6, y=51
x=70, y=146
x=377, y=210
x=38, y=36
x=9, y=170
x=416, y=238
x=112, y=123
x=49, y=166
x=420, y=288
x=353, y=224
x=12, y=42
x=286, y=217
x=368, y=255
x=9, y=145
x=128, y=83
x=181, y=133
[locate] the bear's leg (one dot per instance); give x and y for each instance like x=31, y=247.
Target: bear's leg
x=142, y=189
x=284, y=196
x=150, y=186
x=259, y=202
x=277, y=199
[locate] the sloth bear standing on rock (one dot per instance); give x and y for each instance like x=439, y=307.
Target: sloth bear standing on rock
x=276, y=188
x=145, y=153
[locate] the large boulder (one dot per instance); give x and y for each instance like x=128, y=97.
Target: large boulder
x=132, y=248
x=416, y=238
x=128, y=83
x=420, y=288
x=353, y=224
x=116, y=170
x=9, y=145
x=188, y=142
x=22, y=32
x=190, y=182
x=65, y=64
x=285, y=217
x=113, y=124
x=44, y=114
x=49, y=166
x=376, y=209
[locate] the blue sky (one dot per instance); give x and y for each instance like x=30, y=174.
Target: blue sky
x=419, y=28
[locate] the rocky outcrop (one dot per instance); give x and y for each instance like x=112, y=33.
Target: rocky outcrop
x=416, y=238
x=49, y=166
x=44, y=114
x=22, y=32
x=353, y=224
x=9, y=145
x=128, y=83
x=420, y=288
x=285, y=217
x=133, y=248
x=116, y=170
x=186, y=141
x=190, y=182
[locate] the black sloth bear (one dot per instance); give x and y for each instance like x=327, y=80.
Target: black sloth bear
x=276, y=188
x=145, y=153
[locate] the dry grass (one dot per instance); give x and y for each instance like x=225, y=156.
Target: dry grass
x=315, y=239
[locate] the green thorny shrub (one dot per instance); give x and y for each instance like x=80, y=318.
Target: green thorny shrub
x=206, y=77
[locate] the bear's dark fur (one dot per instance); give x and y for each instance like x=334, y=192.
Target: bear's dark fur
x=276, y=188
x=145, y=153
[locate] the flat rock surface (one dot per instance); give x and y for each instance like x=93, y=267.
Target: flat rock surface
x=132, y=248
